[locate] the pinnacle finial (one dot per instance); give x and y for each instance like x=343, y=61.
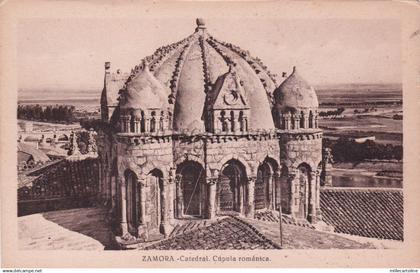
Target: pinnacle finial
x=145, y=64
x=200, y=23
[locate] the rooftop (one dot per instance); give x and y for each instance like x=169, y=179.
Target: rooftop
x=368, y=212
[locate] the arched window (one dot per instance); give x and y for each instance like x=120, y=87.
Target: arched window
x=169, y=120
x=232, y=121
x=241, y=121
x=302, y=120
x=142, y=122
x=311, y=120
x=161, y=121
x=223, y=121
x=132, y=126
x=153, y=122
x=292, y=122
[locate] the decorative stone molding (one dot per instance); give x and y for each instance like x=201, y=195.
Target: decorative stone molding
x=178, y=178
x=251, y=179
x=212, y=180
x=172, y=175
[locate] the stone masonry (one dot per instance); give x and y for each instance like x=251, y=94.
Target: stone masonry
x=200, y=129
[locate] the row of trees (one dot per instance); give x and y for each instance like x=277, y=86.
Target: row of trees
x=366, y=110
x=329, y=113
x=347, y=150
x=358, y=104
x=50, y=113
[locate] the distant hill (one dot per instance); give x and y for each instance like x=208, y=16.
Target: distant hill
x=361, y=86
x=72, y=97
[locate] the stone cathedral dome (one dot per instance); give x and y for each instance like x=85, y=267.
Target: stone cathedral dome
x=295, y=93
x=185, y=74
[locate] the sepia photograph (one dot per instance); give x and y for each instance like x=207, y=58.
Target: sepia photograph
x=209, y=133
x=202, y=137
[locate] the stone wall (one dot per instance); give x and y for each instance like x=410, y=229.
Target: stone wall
x=301, y=148
x=144, y=174
x=251, y=151
x=301, y=156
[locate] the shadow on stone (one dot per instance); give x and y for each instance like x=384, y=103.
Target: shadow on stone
x=91, y=222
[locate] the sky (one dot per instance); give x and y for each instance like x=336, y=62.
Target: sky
x=69, y=54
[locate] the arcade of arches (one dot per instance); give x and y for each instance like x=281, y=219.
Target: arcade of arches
x=201, y=128
x=149, y=205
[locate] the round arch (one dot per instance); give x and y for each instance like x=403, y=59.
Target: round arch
x=265, y=184
x=235, y=157
x=131, y=197
x=232, y=187
x=155, y=199
x=304, y=181
x=191, y=189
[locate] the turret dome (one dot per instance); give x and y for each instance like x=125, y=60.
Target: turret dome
x=295, y=93
x=144, y=91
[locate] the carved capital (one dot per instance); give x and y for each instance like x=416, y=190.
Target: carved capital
x=277, y=173
x=251, y=179
x=292, y=174
x=212, y=180
x=121, y=180
x=178, y=178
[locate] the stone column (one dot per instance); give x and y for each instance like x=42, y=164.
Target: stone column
x=241, y=192
x=137, y=125
x=123, y=221
x=211, y=206
x=305, y=121
x=171, y=195
x=113, y=192
x=287, y=121
x=147, y=125
x=142, y=231
x=317, y=196
x=127, y=124
x=165, y=225
x=277, y=189
x=250, y=197
x=179, y=197
x=297, y=121
x=294, y=191
x=312, y=198
x=271, y=191
x=107, y=186
x=100, y=186
x=214, y=122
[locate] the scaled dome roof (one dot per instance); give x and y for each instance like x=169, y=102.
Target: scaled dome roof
x=188, y=69
x=295, y=92
x=144, y=91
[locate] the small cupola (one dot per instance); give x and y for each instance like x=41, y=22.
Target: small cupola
x=295, y=104
x=143, y=107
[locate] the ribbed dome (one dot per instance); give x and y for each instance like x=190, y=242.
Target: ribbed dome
x=144, y=91
x=189, y=68
x=295, y=92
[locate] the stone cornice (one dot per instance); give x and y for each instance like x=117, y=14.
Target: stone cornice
x=165, y=137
